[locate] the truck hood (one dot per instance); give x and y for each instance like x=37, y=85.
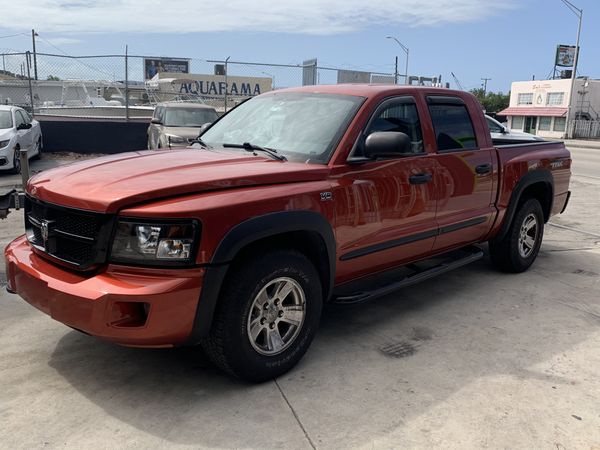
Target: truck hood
x=107, y=184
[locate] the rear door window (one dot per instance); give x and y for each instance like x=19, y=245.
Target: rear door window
x=452, y=123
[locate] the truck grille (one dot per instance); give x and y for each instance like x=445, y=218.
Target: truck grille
x=75, y=237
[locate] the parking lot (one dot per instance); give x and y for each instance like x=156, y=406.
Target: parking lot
x=471, y=359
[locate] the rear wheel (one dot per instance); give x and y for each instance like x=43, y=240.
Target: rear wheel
x=267, y=316
x=519, y=248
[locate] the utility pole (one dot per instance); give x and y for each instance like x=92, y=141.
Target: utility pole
x=33, y=35
x=396, y=72
x=579, y=13
x=226, y=84
x=485, y=80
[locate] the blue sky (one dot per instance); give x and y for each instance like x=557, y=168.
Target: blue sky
x=503, y=40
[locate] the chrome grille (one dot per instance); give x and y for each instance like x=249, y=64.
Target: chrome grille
x=75, y=237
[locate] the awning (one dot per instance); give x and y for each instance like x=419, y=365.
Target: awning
x=535, y=112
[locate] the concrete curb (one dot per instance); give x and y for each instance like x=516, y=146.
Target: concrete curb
x=583, y=144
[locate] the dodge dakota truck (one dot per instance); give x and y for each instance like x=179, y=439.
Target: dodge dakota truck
x=294, y=198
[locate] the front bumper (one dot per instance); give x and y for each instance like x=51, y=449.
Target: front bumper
x=130, y=306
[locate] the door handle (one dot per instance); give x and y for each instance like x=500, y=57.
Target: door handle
x=483, y=169
x=420, y=178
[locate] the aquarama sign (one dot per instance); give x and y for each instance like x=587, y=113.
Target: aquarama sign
x=218, y=86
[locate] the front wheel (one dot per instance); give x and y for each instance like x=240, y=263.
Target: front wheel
x=517, y=251
x=267, y=316
x=16, y=168
x=37, y=149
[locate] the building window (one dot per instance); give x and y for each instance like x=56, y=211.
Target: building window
x=559, y=123
x=545, y=123
x=517, y=123
x=555, y=98
x=525, y=99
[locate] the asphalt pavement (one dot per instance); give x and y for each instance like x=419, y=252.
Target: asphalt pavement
x=472, y=359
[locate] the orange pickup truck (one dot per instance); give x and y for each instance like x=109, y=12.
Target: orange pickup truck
x=294, y=198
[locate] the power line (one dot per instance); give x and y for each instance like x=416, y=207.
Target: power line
x=13, y=35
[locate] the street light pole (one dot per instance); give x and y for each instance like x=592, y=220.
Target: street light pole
x=405, y=48
x=35, y=73
x=579, y=13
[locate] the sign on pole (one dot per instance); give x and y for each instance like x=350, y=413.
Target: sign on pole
x=152, y=66
x=565, y=55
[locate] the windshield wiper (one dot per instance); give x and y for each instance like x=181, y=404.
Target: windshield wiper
x=253, y=147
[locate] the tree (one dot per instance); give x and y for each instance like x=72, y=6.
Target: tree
x=52, y=78
x=492, y=102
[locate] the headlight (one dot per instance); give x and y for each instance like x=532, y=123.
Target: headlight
x=173, y=139
x=4, y=143
x=155, y=243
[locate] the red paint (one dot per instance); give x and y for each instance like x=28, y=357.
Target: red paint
x=372, y=203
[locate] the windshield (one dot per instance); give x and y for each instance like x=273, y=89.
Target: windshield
x=303, y=127
x=189, y=117
x=5, y=119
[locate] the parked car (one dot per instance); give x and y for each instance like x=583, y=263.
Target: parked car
x=296, y=198
x=174, y=124
x=503, y=135
x=17, y=131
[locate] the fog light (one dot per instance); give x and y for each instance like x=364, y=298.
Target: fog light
x=129, y=314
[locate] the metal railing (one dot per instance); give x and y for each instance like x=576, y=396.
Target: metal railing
x=99, y=84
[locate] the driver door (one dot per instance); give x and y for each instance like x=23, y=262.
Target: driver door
x=385, y=209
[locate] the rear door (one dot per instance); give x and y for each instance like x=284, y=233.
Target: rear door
x=385, y=209
x=464, y=173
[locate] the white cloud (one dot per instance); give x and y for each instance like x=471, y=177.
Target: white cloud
x=63, y=41
x=292, y=16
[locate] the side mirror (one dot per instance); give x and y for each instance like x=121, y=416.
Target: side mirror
x=156, y=121
x=504, y=130
x=24, y=126
x=204, y=127
x=387, y=144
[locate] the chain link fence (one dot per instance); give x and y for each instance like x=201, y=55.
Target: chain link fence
x=123, y=86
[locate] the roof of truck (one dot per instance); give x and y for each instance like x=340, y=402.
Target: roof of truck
x=366, y=90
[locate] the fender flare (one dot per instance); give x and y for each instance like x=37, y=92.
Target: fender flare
x=246, y=233
x=530, y=178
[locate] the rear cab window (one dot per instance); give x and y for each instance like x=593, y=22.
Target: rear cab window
x=452, y=123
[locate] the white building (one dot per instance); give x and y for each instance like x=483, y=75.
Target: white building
x=540, y=107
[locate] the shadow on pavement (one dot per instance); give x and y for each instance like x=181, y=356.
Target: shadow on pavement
x=371, y=369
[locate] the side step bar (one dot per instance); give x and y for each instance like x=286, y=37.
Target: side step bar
x=453, y=261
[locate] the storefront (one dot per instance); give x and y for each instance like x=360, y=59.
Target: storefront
x=541, y=107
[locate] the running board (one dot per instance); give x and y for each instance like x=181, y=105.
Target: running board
x=452, y=261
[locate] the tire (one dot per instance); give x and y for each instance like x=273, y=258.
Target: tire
x=517, y=251
x=16, y=168
x=239, y=316
x=38, y=149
